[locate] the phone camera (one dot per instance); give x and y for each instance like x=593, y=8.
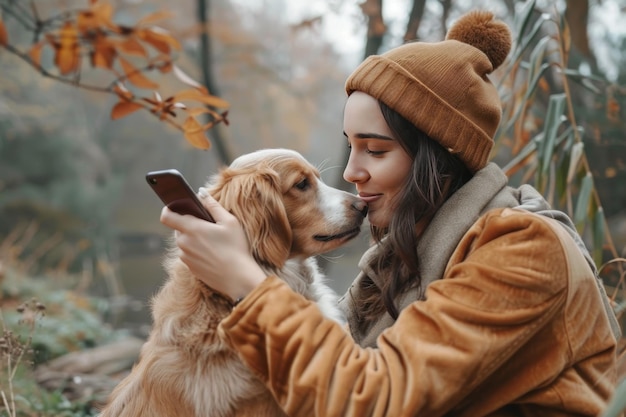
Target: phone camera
x=153, y=181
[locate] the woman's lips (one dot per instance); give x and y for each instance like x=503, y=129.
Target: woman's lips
x=369, y=198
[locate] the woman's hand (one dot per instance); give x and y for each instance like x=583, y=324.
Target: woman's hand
x=216, y=253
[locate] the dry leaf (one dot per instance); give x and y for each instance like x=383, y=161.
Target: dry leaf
x=103, y=53
x=154, y=17
x=166, y=66
x=201, y=97
x=213, y=101
x=103, y=13
x=124, y=108
x=132, y=46
x=35, y=52
x=544, y=85
x=135, y=75
x=194, y=133
x=98, y=18
x=67, y=57
x=159, y=39
x=86, y=21
x=197, y=111
x=4, y=36
x=161, y=107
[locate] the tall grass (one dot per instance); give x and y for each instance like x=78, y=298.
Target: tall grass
x=44, y=316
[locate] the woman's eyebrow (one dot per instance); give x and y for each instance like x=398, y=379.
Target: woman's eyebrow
x=370, y=136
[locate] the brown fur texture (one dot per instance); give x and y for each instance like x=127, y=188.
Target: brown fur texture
x=289, y=215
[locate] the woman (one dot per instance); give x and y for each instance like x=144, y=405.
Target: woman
x=477, y=299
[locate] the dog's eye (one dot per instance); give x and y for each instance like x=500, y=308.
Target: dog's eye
x=303, y=185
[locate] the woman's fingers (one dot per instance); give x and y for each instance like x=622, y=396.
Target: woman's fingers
x=185, y=222
x=171, y=219
x=215, y=209
x=210, y=262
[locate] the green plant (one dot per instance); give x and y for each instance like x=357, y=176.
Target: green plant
x=547, y=134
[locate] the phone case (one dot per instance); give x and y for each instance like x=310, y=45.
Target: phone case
x=176, y=193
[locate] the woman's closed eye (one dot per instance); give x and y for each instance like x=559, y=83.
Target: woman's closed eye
x=370, y=151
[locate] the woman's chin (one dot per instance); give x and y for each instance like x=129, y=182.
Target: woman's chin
x=377, y=219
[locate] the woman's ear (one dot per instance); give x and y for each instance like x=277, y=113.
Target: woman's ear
x=254, y=197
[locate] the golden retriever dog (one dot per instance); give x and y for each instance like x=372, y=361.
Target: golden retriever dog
x=289, y=216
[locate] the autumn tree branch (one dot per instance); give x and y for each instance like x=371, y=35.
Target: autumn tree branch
x=89, y=37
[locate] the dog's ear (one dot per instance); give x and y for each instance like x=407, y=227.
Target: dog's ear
x=254, y=196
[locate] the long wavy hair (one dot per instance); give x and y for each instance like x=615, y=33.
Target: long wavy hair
x=434, y=176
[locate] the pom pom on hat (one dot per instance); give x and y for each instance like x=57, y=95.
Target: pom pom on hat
x=480, y=30
x=442, y=87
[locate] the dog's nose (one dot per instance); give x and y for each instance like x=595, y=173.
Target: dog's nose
x=360, y=206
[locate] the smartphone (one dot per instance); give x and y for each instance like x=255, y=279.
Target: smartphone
x=176, y=193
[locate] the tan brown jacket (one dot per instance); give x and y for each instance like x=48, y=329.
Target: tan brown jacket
x=516, y=325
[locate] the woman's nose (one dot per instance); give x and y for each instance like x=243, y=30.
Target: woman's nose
x=354, y=173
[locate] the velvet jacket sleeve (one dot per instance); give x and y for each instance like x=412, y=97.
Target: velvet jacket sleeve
x=505, y=286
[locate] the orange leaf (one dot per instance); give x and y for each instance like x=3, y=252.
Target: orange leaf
x=154, y=17
x=124, y=108
x=104, y=52
x=35, y=52
x=103, y=11
x=86, y=21
x=190, y=94
x=67, y=57
x=4, y=36
x=201, y=97
x=135, y=75
x=132, y=46
x=194, y=133
x=197, y=111
x=159, y=39
x=165, y=67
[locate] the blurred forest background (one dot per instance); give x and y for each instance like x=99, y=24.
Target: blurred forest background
x=79, y=223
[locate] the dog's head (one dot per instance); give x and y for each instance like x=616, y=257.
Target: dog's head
x=284, y=207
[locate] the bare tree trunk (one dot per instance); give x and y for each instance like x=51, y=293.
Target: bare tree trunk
x=577, y=16
x=376, y=28
x=415, y=18
x=446, y=5
x=208, y=78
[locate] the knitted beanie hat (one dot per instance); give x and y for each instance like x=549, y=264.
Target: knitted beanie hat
x=442, y=87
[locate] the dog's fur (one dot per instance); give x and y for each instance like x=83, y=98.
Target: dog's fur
x=289, y=215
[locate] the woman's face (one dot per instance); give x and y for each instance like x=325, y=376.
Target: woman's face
x=378, y=165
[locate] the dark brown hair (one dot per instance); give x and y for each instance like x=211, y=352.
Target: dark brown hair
x=435, y=175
